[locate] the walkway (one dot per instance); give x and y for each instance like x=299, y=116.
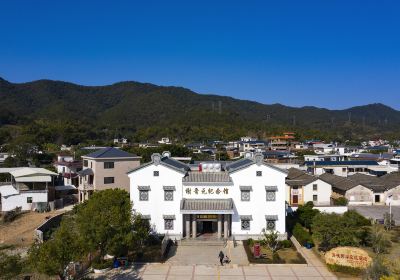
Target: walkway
x=201, y=263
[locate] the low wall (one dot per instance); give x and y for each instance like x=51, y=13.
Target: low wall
x=328, y=209
x=47, y=225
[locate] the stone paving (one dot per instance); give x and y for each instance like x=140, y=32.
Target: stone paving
x=230, y=272
x=201, y=263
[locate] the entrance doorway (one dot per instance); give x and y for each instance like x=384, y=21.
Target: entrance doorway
x=207, y=227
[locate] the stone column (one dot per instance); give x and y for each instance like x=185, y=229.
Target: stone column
x=219, y=226
x=225, y=226
x=187, y=221
x=194, y=226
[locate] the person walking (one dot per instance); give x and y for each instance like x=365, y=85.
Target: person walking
x=221, y=257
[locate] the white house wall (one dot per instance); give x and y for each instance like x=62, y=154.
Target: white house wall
x=258, y=206
x=324, y=192
x=20, y=200
x=156, y=206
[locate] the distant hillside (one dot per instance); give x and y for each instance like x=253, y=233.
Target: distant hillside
x=142, y=111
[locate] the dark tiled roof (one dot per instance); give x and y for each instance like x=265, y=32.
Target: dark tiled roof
x=298, y=177
x=338, y=182
x=207, y=204
x=371, y=182
x=239, y=164
x=110, y=152
x=175, y=163
x=207, y=177
x=391, y=180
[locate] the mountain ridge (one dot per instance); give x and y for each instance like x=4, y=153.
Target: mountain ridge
x=145, y=110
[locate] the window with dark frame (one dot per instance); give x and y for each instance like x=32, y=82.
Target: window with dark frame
x=108, y=165
x=156, y=173
x=259, y=173
x=85, y=163
x=143, y=195
x=168, y=195
x=270, y=225
x=108, y=180
x=245, y=195
x=168, y=224
x=29, y=199
x=315, y=197
x=245, y=224
x=271, y=196
x=315, y=187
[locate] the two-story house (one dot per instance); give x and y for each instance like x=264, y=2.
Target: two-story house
x=105, y=169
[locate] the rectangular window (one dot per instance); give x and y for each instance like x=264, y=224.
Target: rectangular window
x=245, y=195
x=344, y=169
x=108, y=180
x=245, y=224
x=271, y=196
x=91, y=164
x=143, y=195
x=270, y=225
x=315, y=187
x=168, y=195
x=85, y=163
x=29, y=199
x=108, y=165
x=168, y=224
x=315, y=197
x=258, y=173
x=156, y=173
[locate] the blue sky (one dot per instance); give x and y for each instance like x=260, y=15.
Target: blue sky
x=327, y=53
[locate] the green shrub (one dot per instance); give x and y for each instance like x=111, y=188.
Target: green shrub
x=101, y=264
x=301, y=234
x=276, y=258
x=345, y=269
x=250, y=241
x=12, y=215
x=285, y=244
x=340, y=201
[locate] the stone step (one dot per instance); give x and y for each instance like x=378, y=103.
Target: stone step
x=201, y=242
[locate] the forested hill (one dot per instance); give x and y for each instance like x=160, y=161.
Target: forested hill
x=140, y=111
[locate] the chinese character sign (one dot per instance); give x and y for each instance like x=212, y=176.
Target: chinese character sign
x=206, y=191
x=348, y=256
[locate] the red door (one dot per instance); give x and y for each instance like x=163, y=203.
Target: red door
x=295, y=199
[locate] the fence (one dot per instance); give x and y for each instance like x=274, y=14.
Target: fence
x=164, y=244
x=46, y=226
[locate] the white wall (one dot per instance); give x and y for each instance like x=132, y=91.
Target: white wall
x=156, y=206
x=324, y=192
x=258, y=207
x=395, y=192
x=20, y=200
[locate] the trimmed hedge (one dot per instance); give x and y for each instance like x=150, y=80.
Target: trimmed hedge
x=301, y=234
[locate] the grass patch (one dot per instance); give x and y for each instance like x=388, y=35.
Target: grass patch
x=7, y=247
x=284, y=255
x=339, y=269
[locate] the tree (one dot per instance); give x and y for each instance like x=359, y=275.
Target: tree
x=376, y=270
x=378, y=239
x=333, y=230
x=104, y=221
x=141, y=231
x=52, y=256
x=10, y=266
x=306, y=214
x=271, y=240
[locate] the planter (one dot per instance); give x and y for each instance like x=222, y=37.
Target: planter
x=100, y=271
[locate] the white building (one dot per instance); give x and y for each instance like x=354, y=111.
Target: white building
x=237, y=199
x=27, y=188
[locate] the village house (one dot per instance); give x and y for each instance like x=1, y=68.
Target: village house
x=105, y=169
x=302, y=188
x=67, y=167
x=211, y=199
x=28, y=188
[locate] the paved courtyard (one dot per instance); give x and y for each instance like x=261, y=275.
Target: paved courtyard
x=377, y=211
x=201, y=263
